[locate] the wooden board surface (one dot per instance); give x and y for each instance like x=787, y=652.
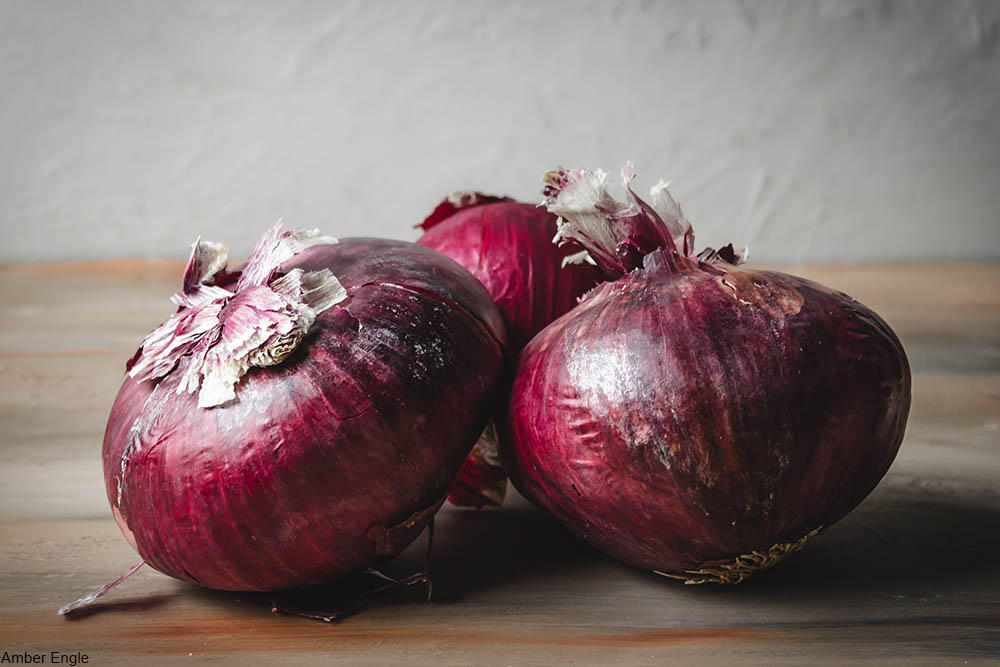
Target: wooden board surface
x=913, y=575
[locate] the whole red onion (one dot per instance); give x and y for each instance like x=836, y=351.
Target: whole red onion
x=296, y=420
x=692, y=417
x=508, y=246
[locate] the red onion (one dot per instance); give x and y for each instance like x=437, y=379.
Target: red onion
x=508, y=246
x=299, y=419
x=692, y=417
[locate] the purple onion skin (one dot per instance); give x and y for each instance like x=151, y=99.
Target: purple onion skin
x=339, y=455
x=678, y=418
x=508, y=246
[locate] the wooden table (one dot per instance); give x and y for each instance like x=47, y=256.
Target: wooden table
x=913, y=575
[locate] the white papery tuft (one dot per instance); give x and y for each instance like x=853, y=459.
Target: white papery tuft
x=223, y=334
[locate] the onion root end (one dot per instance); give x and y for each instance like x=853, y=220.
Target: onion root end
x=735, y=570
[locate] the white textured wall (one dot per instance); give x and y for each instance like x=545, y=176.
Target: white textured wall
x=835, y=130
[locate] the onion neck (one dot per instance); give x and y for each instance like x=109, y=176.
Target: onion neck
x=219, y=334
x=618, y=235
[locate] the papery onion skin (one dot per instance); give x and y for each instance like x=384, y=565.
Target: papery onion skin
x=508, y=246
x=333, y=458
x=689, y=414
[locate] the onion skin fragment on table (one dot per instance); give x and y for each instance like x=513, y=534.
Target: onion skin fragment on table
x=695, y=417
x=327, y=439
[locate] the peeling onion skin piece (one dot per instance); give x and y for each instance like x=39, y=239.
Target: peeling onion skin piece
x=690, y=413
x=508, y=246
x=481, y=480
x=332, y=458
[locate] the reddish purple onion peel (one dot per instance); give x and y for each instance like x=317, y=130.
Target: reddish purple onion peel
x=302, y=417
x=508, y=246
x=92, y=597
x=693, y=417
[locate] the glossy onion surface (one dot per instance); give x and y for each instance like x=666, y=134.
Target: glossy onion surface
x=338, y=455
x=508, y=246
x=677, y=418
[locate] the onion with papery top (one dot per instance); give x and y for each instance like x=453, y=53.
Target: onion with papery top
x=303, y=417
x=691, y=416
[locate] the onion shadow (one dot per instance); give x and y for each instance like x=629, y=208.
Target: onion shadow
x=909, y=538
x=904, y=540
x=483, y=549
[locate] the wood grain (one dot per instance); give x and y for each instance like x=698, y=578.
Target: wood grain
x=913, y=575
